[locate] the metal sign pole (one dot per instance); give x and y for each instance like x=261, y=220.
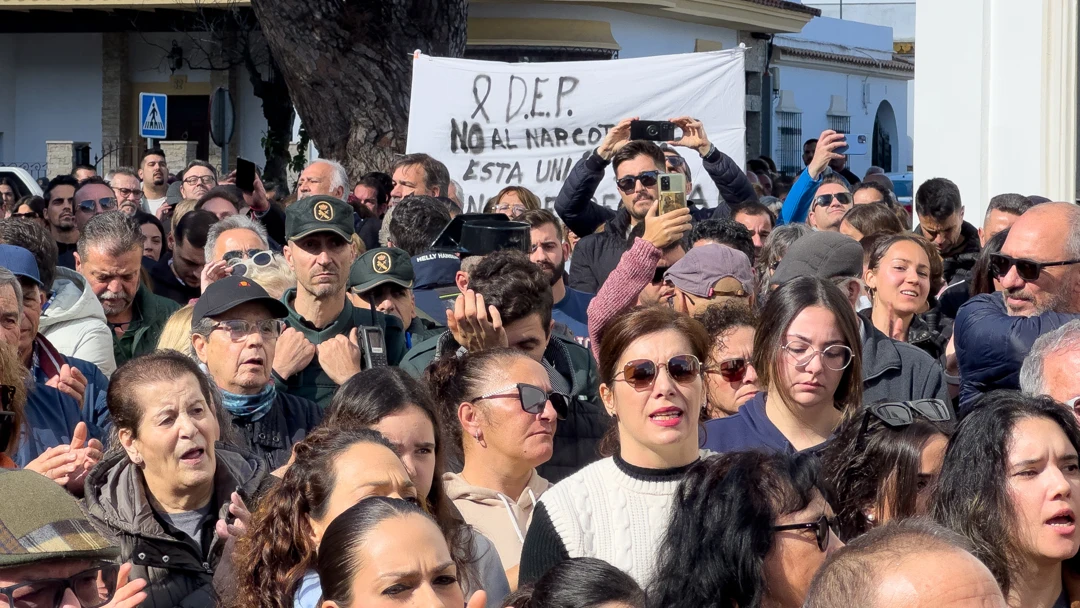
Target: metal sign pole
x=224, y=159
x=149, y=143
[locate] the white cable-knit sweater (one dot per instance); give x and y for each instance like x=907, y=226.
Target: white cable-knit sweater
x=603, y=512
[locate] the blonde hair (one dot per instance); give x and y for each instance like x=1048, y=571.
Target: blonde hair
x=176, y=334
x=13, y=373
x=181, y=208
x=276, y=277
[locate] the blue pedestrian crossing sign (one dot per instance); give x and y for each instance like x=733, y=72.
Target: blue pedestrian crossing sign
x=153, y=115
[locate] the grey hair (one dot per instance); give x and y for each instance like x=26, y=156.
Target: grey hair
x=233, y=222
x=128, y=171
x=8, y=278
x=1010, y=202
x=1064, y=338
x=1072, y=246
x=114, y=231
x=457, y=190
x=339, y=178
x=201, y=163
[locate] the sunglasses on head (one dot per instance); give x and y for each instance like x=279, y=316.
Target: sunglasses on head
x=533, y=399
x=822, y=527
x=91, y=205
x=843, y=198
x=732, y=370
x=641, y=373
x=900, y=414
x=1029, y=270
x=253, y=257
x=92, y=588
x=647, y=179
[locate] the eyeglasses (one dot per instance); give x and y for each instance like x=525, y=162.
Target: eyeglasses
x=675, y=160
x=510, y=209
x=127, y=192
x=207, y=180
x=731, y=370
x=822, y=530
x=1029, y=270
x=843, y=198
x=835, y=357
x=255, y=257
x=91, y=205
x=239, y=329
x=93, y=588
x=29, y=215
x=533, y=399
x=647, y=179
x=641, y=373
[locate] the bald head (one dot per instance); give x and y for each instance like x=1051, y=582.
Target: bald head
x=1053, y=228
x=1048, y=234
x=915, y=564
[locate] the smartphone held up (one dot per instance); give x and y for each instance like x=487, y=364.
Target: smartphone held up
x=672, y=192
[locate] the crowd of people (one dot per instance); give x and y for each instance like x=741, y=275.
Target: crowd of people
x=351, y=393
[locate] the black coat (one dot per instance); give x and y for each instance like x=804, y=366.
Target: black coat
x=273, y=436
x=165, y=282
x=179, y=572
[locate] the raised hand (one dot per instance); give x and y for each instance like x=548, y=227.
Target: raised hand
x=664, y=230
x=129, y=593
x=294, y=352
x=693, y=135
x=828, y=141
x=70, y=381
x=474, y=325
x=615, y=138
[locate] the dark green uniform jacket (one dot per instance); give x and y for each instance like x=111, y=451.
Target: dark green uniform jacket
x=312, y=383
x=149, y=314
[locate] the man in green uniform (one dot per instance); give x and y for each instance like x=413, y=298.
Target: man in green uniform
x=320, y=349
x=383, y=279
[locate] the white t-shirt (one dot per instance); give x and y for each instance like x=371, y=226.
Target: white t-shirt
x=152, y=204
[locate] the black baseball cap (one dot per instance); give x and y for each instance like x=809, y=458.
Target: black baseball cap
x=321, y=213
x=379, y=266
x=226, y=294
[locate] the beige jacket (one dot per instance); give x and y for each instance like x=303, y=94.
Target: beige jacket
x=501, y=518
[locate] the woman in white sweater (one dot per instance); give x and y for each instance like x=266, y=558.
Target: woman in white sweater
x=617, y=509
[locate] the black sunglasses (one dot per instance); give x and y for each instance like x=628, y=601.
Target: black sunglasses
x=647, y=179
x=90, y=205
x=1029, y=270
x=641, y=373
x=843, y=198
x=29, y=215
x=899, y=414
x=93, y=588
x=732, y=370
x=821, y=529
x=533, y=399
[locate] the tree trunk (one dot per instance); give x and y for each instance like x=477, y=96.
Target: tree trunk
x=348, y=66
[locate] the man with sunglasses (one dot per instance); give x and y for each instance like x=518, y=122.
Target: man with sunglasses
x=177, y=275
x=518, y=300
x=1039, y=271
x=230, y=242
x=804, y=197
x=53, y=557
x=93, y=197
x=234, y=331
x=637, y=165
x=831, y=201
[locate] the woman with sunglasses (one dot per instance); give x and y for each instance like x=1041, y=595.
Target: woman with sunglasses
x=729, y=371
x=1010, y=484
x=747, y=529
x=401, y=408
x=809, y=365
x=616, y=509
x=501, y=413
x=884, y=462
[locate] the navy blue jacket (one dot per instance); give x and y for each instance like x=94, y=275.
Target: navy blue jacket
x=748, y=429
x=991, y=345
x=51, y=417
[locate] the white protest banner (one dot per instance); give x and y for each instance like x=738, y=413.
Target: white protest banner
x=525, y=124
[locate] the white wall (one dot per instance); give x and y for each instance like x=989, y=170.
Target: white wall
x=992, y=114
x=638, y=35
x=813, y=90
x=55, y=92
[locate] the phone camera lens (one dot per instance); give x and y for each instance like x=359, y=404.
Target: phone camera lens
x=652, y=130
x=665, y=183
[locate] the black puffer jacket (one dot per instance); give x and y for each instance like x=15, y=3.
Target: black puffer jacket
x=287, y=423
x=178, y=572
x=959, y=262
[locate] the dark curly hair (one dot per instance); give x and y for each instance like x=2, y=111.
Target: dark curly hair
x=579, y=582
x=720, y=530
x=515, y=286
x=876, y=467
x=416, y=221
x=972, y=496
x=725, y=232
x=272, y=558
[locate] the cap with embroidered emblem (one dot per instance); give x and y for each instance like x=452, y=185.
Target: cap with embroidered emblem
x=321, y=213
x=379, y=266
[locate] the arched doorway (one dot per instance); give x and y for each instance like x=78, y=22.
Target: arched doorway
x=885, y=137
